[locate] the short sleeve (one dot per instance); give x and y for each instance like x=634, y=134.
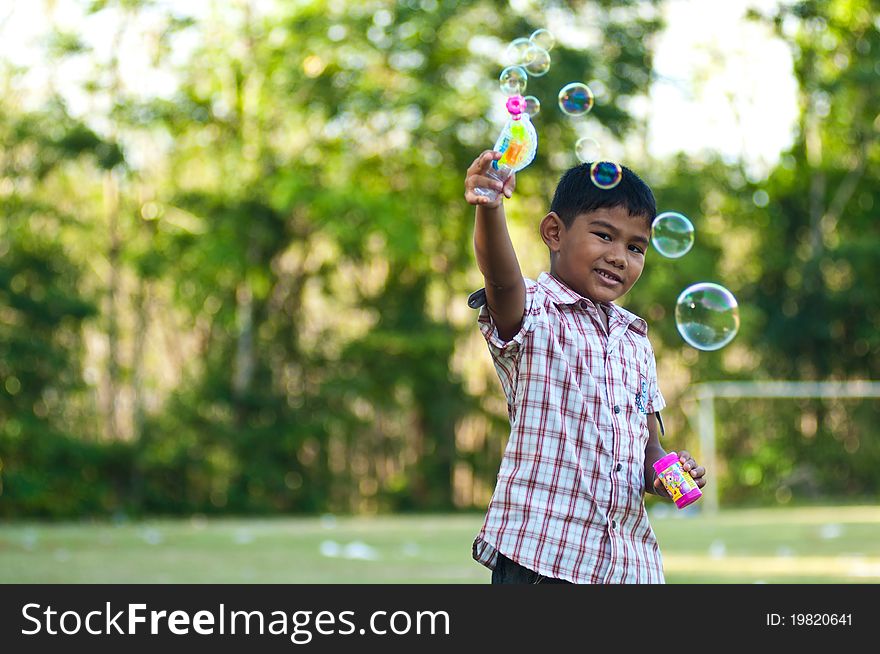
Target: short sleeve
x=511, y=348
x=655, y=398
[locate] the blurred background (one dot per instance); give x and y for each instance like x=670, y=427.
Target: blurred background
x=235, y=260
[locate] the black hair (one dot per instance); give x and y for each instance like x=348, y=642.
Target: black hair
x=576, y=194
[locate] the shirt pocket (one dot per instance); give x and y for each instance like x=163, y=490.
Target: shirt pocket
x=637, y=387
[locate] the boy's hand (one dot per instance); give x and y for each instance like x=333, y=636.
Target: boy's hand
x=690, y=466
x=476, y=178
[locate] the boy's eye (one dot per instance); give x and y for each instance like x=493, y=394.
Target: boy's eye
x=636, y=248
x=602, y=235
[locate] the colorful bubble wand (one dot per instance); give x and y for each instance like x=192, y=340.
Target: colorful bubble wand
x=517, y=143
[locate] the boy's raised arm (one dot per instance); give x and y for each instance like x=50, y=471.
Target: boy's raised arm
x=505, y=288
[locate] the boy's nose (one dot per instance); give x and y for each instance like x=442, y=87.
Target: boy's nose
x=616, y=258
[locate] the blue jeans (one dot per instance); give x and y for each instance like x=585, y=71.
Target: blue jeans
x=511, y=572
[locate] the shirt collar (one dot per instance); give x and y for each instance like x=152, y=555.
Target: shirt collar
x=561, y=294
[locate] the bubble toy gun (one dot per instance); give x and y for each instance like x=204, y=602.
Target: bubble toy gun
x=517, y=143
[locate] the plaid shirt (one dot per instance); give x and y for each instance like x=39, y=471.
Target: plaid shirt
x=568, y=501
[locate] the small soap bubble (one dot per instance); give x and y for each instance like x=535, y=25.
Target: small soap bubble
x=606, y=174
x=151, y=535
x=515, y=55
x=760, y=198
x=537, y=61
x=411, y=549
x=359, y=550
x=587, y=149
x=533, y=105
x=672, y=234
x=828, y=532
x=330, y=548
x=543, y=38
x=717, y=550
x=513, y=80
x=575, y=99
x=29, y=539
x=707, y=316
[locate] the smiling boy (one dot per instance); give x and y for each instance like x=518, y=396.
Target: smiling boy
x=580, y=379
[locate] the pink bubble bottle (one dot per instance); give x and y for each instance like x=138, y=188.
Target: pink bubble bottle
x=677, y=481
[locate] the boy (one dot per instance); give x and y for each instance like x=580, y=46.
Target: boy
x=580, y=379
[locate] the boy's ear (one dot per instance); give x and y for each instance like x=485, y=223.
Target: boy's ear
x=552, y=230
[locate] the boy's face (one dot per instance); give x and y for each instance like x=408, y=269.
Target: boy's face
x=601, y=255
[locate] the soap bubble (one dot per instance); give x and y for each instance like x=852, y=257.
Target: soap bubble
x=707, y=316
x=516, y=51
x=672, y=234
x=533, y=105
x=575, y=99
x=543, y=38
x=760, y=198
x=587, y=149
x=513, y=80
x=606, y=174
x=537, y=61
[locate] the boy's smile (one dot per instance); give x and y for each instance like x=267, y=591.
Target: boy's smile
x=601, y=255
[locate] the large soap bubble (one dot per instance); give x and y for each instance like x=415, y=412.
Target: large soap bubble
x=672, y=234
x=537, y=61
x=516, y=51
x=707, y=316
x=543, y=38
x=575, y=99
x=513, y=80
x=606, y=174
x=587, y=149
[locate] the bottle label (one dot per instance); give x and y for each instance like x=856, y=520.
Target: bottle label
x=677, y=482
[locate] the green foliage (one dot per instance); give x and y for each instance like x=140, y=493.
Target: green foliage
x=50, y=475
x=821, y=314
x=243, y=296
x=45, y=467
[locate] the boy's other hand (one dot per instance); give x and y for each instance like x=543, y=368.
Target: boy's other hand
x=698, y=472
x=690, y=466
x=476, y=177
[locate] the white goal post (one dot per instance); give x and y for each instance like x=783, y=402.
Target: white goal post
x=706, y=394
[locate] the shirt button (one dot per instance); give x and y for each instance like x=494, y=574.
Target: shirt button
x=614, y=524
x=616, y=408
x=619, y=466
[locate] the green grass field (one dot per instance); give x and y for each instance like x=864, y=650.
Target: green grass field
x=793, y=545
